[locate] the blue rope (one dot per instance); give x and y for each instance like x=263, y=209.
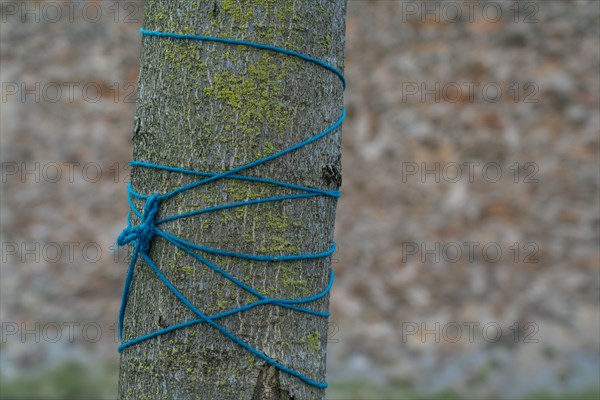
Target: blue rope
x=141, y=236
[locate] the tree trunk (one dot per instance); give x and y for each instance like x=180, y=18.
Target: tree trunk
x=211, y=107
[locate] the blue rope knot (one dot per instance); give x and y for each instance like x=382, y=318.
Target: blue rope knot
x=145, y=232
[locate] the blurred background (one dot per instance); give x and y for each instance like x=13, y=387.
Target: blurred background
x=468, y=229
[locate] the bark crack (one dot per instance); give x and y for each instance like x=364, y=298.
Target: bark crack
x=268, y=386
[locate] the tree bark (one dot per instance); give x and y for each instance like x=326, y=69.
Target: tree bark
x=211, y=107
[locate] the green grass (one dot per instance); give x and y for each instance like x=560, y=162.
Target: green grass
x=74, y=380
x=70, y=380
x=357, y=390
x=589, y=394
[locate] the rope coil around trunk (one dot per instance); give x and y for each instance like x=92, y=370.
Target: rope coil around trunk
x=142, y=235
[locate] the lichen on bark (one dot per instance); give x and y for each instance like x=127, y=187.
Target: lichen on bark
x=211, y=107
